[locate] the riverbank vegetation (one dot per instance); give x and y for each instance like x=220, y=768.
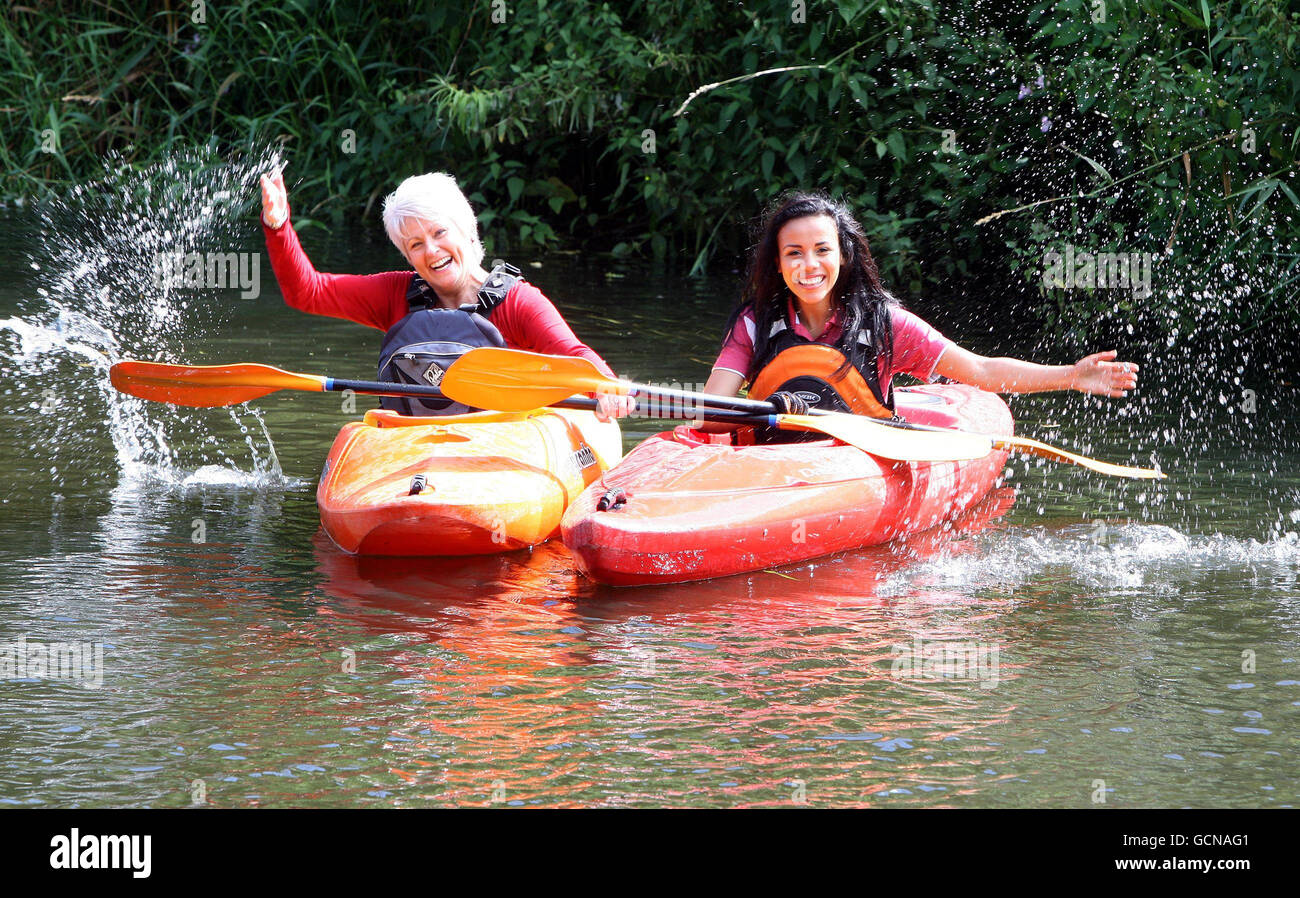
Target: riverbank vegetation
x=973, y=138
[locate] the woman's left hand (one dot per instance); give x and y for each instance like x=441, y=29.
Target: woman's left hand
x=1100, y=374
x=611, y=405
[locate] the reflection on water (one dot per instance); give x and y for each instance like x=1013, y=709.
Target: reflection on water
x=275, y=670
x=281, y=676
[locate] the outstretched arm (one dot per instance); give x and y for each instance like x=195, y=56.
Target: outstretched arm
x=1098, y=373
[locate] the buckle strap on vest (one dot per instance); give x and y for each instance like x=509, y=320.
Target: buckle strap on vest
x=500, y=281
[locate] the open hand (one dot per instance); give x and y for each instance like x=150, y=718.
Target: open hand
x=275, y=200
x=1100, y=374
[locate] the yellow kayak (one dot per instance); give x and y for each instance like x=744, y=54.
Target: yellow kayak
x=459, y=485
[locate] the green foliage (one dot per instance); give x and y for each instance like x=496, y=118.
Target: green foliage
x=1180, y=126
x=563, y=122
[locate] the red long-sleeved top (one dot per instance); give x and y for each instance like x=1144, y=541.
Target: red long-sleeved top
x=526, y=318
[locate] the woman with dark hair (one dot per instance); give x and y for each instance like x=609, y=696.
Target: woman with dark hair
x=815, y=328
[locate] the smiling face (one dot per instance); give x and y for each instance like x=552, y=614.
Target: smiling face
x=438, y=251
x=808, y=253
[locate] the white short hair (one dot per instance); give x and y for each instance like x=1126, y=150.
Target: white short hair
x=429, y=197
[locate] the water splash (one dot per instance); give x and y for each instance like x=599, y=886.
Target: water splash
x=97, y=299
x=1217, y=363
x=1152, y=559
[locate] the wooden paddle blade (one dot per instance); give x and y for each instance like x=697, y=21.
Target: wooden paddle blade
x=206, y=386
x=1026, y=446
x=512, y=380
x=893, y=443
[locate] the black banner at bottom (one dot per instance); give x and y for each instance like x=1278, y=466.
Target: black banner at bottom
x=335, y=849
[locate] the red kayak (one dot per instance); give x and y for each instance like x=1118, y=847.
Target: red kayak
x=685, y=505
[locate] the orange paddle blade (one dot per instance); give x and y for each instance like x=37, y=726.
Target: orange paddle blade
x=1026, y=446
x=206, y=386
x=512, y=380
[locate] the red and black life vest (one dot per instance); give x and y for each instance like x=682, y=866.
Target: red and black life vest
x=422, y=346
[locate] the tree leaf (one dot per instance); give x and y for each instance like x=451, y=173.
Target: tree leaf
x=1096, y=166
x=897, y=145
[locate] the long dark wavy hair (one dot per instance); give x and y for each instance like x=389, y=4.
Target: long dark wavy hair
x=862, y=301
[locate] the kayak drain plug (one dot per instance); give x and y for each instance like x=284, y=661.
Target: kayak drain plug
x=417, y=485
x=612, y=499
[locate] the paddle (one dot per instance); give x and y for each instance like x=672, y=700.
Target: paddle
x=208, y=386
x=211, y=386
x=514, y=380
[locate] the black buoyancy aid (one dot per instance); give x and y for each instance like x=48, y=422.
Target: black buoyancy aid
x=422, y=346
x=819, y=373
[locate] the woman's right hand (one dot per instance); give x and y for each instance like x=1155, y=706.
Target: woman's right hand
x=611, y=405
x=275, y=200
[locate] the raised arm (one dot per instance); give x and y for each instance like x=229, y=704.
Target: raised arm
x=375, y=300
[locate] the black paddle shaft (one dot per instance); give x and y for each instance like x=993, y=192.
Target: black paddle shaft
x=751, y=407
x=687, y=400
x=721, y=415
x=687, y=406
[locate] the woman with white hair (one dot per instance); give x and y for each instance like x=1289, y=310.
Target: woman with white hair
x=448, y=304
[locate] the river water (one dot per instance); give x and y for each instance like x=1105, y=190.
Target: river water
x=1129, y=644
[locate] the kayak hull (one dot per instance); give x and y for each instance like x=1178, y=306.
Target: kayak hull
x=697, y=509
x=492, y=481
